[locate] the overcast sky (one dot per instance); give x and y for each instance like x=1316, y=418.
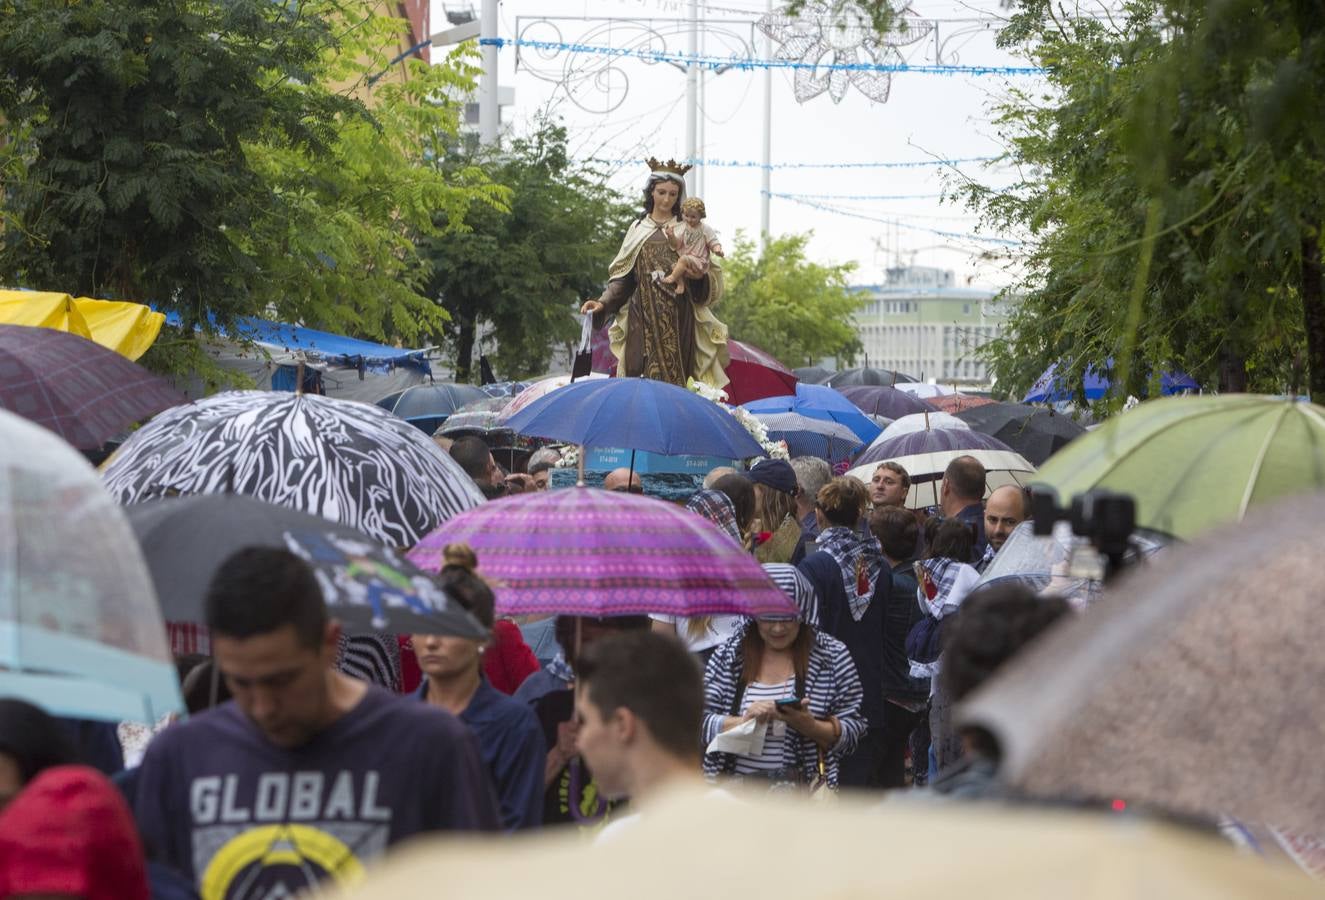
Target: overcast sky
x=926, y=116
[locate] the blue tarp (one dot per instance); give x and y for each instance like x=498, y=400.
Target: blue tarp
x=331, y=348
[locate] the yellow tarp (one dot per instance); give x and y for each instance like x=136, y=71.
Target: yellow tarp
x=127, y=328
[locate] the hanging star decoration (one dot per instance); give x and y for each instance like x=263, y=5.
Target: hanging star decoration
x=819, y=37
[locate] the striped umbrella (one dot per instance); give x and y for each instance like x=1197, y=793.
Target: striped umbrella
x=811, y=437
x=588, y=552
x=819, y=402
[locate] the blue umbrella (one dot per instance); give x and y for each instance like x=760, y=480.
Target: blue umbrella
x=1050, y=388
x=819, y=402
x=811, y=437
x=637, y=414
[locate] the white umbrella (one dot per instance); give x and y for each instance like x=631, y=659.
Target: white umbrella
x=929, y=421
x=924, y=390
x=926, y=472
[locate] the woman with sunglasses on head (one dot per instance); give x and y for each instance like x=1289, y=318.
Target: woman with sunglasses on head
x=785, y=674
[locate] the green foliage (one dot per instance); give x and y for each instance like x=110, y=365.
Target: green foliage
x=1169, y=170
x=219, y=160
x=880, y=15
x=796, y=309
x=523, y=271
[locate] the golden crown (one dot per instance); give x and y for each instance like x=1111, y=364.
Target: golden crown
x=671, y=166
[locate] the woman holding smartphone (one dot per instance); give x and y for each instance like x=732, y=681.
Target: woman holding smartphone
x=801, y=684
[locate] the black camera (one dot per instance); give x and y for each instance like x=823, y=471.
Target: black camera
x=1105, y=518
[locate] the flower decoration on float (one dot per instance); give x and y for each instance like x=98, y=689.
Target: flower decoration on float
x=773, y=449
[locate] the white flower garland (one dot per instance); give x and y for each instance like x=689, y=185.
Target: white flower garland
x=773, y=449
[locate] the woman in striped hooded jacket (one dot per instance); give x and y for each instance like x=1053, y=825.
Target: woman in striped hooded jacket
x=784, y=659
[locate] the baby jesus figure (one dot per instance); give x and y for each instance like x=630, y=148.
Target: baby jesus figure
x=693, y=243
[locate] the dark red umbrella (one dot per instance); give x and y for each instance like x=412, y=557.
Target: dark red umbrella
x=755, y=375
x=82, y=391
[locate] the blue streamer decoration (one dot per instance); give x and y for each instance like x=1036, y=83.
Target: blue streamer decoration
x=751, y=164
x=859, y=196
x=750, y=64
x=897, y=224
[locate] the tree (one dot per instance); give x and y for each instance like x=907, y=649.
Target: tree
x=196, y=155
x=1165, y=221
x=796, y=309
x=523, y=271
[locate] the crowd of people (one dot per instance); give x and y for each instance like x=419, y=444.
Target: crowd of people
x=296, y=766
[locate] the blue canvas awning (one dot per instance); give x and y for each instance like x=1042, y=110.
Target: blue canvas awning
x=322, y=346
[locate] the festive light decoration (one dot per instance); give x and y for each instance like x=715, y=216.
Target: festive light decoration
x=852, y=50
x=718, y=63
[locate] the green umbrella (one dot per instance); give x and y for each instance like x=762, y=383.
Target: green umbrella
x=1196, y=462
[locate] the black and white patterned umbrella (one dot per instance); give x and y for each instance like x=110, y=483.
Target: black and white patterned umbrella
x=349, y=462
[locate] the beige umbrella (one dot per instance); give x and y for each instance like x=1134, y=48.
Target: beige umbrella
x=1194, y=684
x=926, y=471
x=702, y=845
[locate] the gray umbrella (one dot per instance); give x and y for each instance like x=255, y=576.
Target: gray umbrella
x=366, y=586
x=1193, y=684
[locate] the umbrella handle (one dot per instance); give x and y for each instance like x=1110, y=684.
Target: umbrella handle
x=579, y=481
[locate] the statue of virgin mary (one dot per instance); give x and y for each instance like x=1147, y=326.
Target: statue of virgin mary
x=656, y=333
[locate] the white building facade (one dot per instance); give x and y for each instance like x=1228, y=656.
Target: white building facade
x=921, y=323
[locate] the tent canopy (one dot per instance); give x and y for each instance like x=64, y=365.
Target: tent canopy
x=291, y=343
x=127, y=328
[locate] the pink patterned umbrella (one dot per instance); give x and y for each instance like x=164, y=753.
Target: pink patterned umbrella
x=589, y=552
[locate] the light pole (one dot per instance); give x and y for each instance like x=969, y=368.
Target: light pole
x=766, y=179
x=488, y=111
x=692, y=98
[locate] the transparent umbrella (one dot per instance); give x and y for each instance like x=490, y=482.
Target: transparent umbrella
x=1045, y=562
x=80, y=630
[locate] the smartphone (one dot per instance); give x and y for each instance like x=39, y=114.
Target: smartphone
x=786, y=702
